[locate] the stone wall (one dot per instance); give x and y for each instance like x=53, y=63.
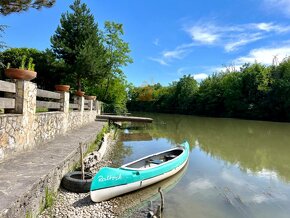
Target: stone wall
x=25, y=128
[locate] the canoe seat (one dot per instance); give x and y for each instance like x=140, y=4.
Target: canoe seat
x=156, y=161
x=169, y=157
x=152, y=162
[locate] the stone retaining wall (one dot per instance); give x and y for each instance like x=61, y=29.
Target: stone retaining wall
x=23, y=128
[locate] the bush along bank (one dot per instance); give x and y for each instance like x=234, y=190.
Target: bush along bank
x=255, y=91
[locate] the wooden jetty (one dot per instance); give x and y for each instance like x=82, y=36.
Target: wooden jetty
x=117, y=118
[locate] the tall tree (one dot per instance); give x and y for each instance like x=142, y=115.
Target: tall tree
x=10, y=6
x=77, y=42
x=117, y=52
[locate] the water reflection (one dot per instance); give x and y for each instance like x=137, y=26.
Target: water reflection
x=253, y=145
x=237, y=168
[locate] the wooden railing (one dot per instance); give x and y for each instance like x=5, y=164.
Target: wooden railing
x=7, y=102
x=48, y=95
x=12, y=93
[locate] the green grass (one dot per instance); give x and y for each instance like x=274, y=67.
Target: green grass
x=96, y=144
x=40, y=110
x=28, y=215
x=50, y=197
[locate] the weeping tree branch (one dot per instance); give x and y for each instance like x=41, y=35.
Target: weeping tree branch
x=11, y=6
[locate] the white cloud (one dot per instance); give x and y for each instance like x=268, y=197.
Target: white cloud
x=258, y=199
x=268, y=27
x=264, y=173
x=168, y=55
x=265, y=55
x=282, y=5
x=156, y=42
x=203, y=34
x=232, y=46
x=230, y=178
x=200, y=76
x=175, y=54
x=180, y=71
x=232, y=37
x=160, y=61
x=200, y=184
x=197, y=76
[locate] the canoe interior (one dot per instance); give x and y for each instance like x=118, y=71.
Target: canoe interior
x=154, y=160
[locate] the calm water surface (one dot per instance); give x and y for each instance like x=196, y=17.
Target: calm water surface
x=237, y=168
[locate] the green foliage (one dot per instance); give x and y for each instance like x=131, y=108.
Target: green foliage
x=77, y=41
x=96, y=144
x=11, y=6
x=254, y=92
x=50, y=197
x=28, y=214
x=47, y=66
x=185, y=90
x=23, y=60
x=82, y=56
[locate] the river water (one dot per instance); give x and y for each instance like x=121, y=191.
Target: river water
x=237, y=168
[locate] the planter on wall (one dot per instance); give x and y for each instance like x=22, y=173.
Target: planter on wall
x=62, y=88
x=90, y=97
x=80, y=93
x=14, y=73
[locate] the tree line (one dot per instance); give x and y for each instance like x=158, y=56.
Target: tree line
x=255, y=91
x=82, y=55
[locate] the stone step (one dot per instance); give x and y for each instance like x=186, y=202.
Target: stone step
x=25, y=177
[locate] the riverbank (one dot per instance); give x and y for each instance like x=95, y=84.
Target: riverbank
x=68, y=204
x=29, y=179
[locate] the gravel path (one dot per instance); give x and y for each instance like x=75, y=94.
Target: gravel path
x=74, y=205
x=68, y=204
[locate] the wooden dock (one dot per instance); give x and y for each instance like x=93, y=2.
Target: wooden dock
x=117, y=118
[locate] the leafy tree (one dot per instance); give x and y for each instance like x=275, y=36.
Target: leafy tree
x=186, y=88
x=278, y=100
x=10, y=6
x=47, y=66
x=78, y=42
x=117, y=54
x=210, y=100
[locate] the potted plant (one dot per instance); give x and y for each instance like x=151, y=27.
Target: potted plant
x=80, y=93
x=90, y=97
x=23, y=72
x=62, y=88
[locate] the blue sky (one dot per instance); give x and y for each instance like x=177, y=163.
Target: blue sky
x=171, y=38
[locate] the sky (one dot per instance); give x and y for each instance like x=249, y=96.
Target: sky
x=172, y=38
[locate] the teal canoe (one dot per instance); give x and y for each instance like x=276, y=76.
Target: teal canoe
x=111, y=182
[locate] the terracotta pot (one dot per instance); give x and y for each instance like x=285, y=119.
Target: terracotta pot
x=14, y=73
x=90, y=97
x=62, y=88
x=80, y=93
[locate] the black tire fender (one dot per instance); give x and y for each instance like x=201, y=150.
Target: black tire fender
x=73, y=182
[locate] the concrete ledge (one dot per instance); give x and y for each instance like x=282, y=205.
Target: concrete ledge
x=24, y=178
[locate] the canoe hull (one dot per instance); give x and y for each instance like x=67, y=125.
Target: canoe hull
x=108, y=193
x=111, y=182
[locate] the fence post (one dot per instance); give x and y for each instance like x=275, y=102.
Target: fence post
x=97, y=107
x=25, y=104
x=90, y=105
x=25, y=98
x=64, y=102
x=81, y=104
